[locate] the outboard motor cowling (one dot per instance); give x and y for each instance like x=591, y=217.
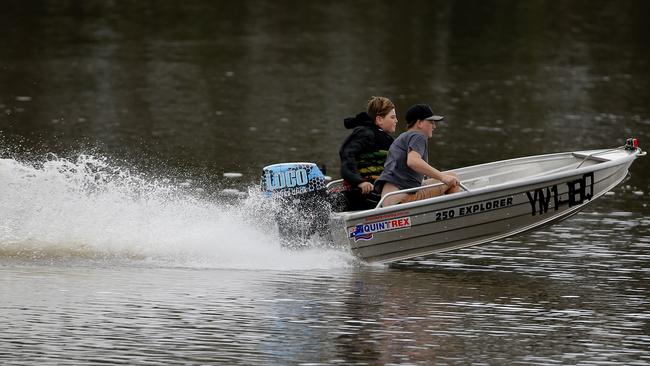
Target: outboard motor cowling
x=302, y=195
x=292, y=179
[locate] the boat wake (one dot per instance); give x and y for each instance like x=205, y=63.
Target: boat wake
x=87, y=208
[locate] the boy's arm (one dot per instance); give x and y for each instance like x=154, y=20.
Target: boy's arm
x=414, y=161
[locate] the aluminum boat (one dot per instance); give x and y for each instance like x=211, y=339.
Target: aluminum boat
x=499, y=200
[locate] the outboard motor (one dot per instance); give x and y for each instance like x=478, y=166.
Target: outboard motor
x=302, y=195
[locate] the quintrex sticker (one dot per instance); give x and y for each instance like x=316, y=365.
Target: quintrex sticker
x=366, y=231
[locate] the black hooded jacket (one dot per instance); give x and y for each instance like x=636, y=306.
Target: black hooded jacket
x=364, y=152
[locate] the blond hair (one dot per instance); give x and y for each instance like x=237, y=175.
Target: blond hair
x=379, y=106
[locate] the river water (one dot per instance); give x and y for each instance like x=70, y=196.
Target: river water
x=123, y=242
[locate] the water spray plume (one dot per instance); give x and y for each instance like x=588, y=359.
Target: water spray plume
x=87, y=207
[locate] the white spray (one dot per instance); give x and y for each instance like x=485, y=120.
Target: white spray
x=90, y=208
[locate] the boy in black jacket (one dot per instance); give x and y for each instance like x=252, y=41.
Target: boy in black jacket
x=364, y=152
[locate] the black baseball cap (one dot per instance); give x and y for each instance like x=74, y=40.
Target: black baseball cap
x=421, y=111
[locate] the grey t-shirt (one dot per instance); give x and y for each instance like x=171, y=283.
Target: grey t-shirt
x=395, y=169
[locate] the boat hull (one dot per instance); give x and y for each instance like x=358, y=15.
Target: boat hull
x=518, y=196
